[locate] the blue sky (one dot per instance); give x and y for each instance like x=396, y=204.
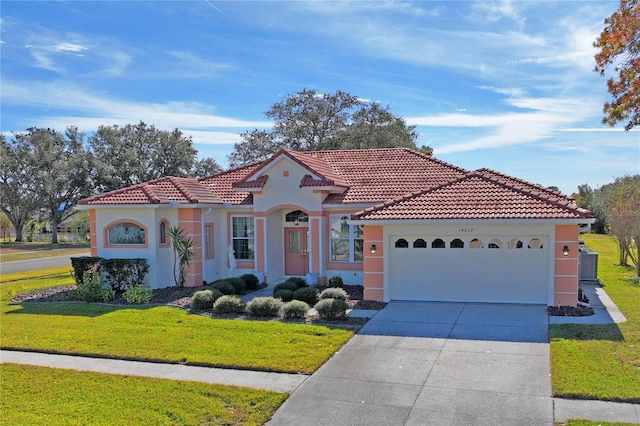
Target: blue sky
x=506, y=85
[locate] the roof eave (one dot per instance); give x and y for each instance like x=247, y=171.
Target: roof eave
x=560, y=221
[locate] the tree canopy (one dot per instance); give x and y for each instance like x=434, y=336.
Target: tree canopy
x=619, y=46
x=310, y=121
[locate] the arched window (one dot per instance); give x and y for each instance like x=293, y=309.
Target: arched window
x=128, y=233
x=438, y=243
x=163, y=233
x=401, y=243
x=535, y=243
x=296, y=216
x=495, y=243
x=457, y=243
x=515, y=243
x=419, y=243
x=476, y=243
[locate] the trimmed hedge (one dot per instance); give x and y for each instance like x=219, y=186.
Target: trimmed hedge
x=287, y=285
x=138, y=295
x=299, y=282
x=251, y=281
x=295, y=309
x=336, y=281
x=123, y=274
x=264, y=306
x=224, y=287
x=334, y=293
x=82, y=264
x=204, y=299
x=284, y=294
x=228, y=304
x=238, y=284
x=332, y=309
x=90, y=289
x=306, y=294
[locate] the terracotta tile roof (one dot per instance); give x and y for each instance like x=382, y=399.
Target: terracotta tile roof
x=379, y=175
x=483, y=194
x=222, y=184
x=160, y=191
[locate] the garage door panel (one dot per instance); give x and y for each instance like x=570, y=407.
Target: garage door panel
x=470, y=275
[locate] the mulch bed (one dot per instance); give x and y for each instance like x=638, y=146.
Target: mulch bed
x=181, y=298
x=570, y=311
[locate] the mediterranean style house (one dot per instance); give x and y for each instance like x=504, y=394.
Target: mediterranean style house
x=401, y=223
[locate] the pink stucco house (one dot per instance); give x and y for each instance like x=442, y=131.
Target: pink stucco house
x=405, y=225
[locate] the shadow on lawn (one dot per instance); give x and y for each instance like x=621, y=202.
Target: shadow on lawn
x=75, y=309
x=583, y=332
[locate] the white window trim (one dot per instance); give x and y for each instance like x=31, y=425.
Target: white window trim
x=250, y=239
x=352, y=239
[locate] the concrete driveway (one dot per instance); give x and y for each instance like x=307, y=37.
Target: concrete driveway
x=434, y=363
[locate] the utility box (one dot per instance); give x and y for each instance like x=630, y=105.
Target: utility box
x=588, y=266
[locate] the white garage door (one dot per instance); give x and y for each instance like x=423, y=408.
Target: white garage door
x=479, y=269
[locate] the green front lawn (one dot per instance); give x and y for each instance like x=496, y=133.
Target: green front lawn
x=37, y=395
x=160, y=334
x=601, y=361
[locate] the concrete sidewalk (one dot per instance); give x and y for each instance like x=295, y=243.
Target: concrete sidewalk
x=278, y=382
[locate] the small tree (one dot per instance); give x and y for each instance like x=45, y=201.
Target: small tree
x=183, y=254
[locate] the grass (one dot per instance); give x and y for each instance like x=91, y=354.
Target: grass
x=38, y=395
x=601, y=361
x=576, y=422
x=10, y=252
x=160, y=334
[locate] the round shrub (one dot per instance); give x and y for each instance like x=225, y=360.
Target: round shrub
x=336, y=282
x=264, y=306
x=295, y=309
x=299, y=282
x=284, y=294
x=334, y=293
x=306, y=294
x=285, y=286
x=251, y=281
x=332, y=309
x=202, y=300
x=228, y=304
x=138, y=295
x=238, y=284
x=224, y=287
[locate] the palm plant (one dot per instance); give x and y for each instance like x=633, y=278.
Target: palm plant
x=182, y=254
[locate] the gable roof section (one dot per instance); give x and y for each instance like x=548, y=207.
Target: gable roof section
x=160, y=191
x=222, y=184
x=379, y=175
x=483, y=194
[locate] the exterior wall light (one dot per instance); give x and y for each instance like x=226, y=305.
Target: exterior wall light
x=565, y=250
x=296, y=222
x=373, y=249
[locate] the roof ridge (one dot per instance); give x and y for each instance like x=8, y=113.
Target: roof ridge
x=149, y=191
x=535, y=185
x=232, y=170
x=187, y=194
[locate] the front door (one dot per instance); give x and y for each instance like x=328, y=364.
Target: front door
x=296, y=261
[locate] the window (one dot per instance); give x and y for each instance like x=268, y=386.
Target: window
x=495, y=244
x=208, y=241
x=401, y=243
x=163, y=233
x=296, y=217
x=126, y=233
x=515, y=244
x=535, y=243
x=457, y=243
x=346, y=240
x=476, y=243
x=419, y=243
x=438, y=243
x=243, y=235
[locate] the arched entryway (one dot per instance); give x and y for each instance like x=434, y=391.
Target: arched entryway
x=296, y=243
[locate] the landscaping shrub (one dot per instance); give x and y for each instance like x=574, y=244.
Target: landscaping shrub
x=299, y=282
x=306, y=294
x=138, y=295
x=91, y=290
x=295, y=309
x=82, y=264
x=284, y=294
x=123, y=274
x=204, y=299
x=238, y=284
x=332, y=309
x=336, y=281
x=287, y=285
x=251, y=281
x=224, y=287
x=264, y=306
x=334, y=293
x=228, y=304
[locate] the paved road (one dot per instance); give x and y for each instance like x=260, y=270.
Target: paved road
x=34, y=264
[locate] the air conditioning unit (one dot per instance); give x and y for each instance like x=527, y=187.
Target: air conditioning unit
x=588, y=266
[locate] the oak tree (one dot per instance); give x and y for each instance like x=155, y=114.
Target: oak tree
x=619, y=46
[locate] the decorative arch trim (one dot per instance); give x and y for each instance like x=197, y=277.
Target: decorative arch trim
x=119, y=232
